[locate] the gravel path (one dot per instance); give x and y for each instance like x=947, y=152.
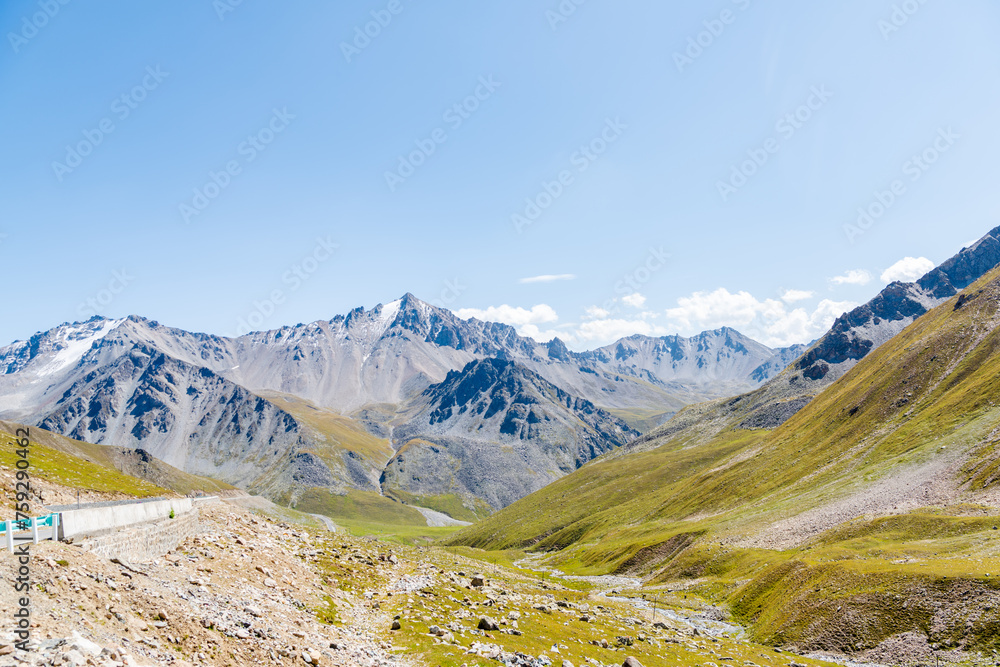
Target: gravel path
x=330, y=525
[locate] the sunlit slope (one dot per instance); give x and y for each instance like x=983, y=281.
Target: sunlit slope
x=334, y=433
x=58, y=467
x=920, y=408
x=103, y=462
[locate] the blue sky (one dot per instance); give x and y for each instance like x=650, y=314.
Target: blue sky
x=218, y=166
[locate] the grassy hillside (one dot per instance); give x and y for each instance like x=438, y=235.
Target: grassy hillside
x=448, y=503
x=913, y=424
x=331, y=437
x=642, y=419
x=67, y=470
x=363, y=512
x=334, y=432
x=124, y=461
x=367, y=513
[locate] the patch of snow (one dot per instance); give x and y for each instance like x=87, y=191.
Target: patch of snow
x=424, y=308
x=76, y=342
x=389, y=311
x=13, y=348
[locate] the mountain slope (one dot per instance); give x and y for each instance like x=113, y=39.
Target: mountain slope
x=496, y=431
x=932, y=381
x=763, y=513
x=858, y=332
x=195, y=420
x=134, y=463
x=853, y=336
x=721, y=355
x=279, y=411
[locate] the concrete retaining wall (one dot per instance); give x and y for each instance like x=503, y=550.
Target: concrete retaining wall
x=145, y=542
x=97, y=520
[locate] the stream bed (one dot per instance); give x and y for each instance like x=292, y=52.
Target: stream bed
x=609, y=585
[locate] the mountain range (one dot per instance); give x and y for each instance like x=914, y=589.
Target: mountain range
x=405, y=398
x=406, y=401
x=839, y=496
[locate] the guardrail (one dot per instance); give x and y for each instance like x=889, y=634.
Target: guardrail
x=103, y=503
x=34, y=530
x=88, y=522
x=95, y=519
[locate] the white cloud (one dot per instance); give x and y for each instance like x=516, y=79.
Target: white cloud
x=602, y=332
x=547, y=278
x=515, y=316
x=768, y=321
x=532, y=331
x=907, y=269
x=827, y=311
x=711, y=310
x=635, y=300
x=793, y=295
x=853, y=277
x=598, y=327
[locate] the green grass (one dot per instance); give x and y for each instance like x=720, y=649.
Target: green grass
x=399, y=534
x=641, y=419
x=505, y=559
x=359, y=507
x=367, y=514
x=445, y=601
x=61, y=468
x=604, y=496
x=124, y=461
x=449, y=504
x=894, y=574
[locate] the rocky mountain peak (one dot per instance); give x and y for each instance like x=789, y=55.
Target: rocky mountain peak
x=471, y=386
x=558, y=350
x=501, y=378
x=964, y=268
x=856, y=333
x=497, y=430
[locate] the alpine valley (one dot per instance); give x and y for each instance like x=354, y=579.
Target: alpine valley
x=837, y=501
